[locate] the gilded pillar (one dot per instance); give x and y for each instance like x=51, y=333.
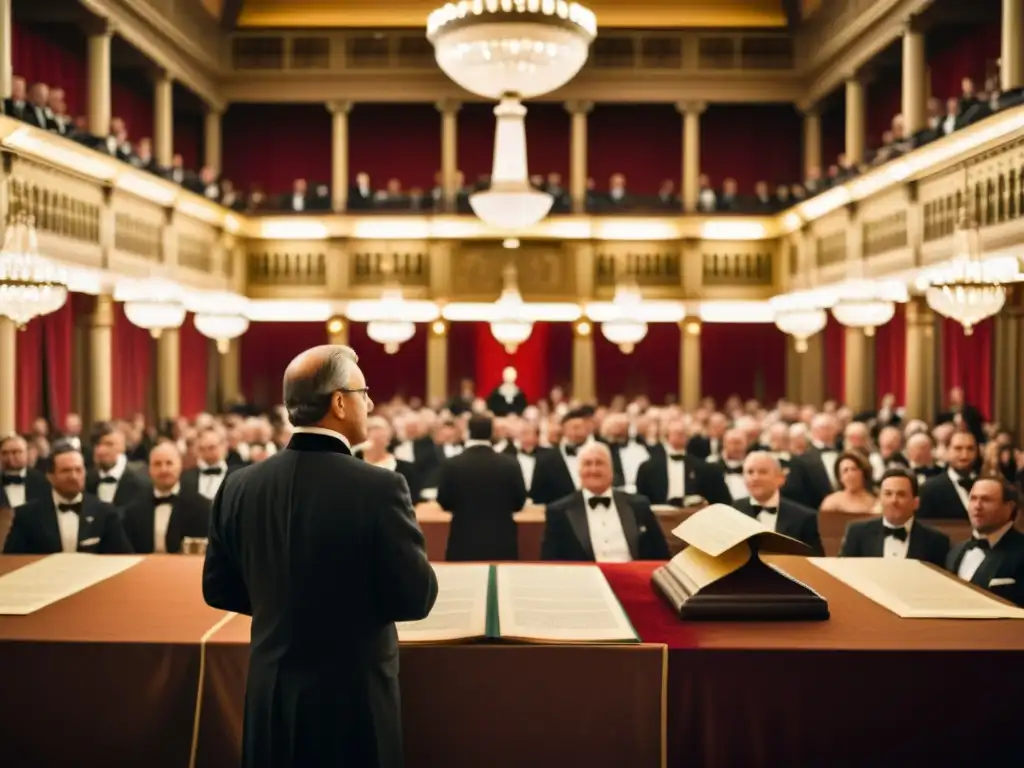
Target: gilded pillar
x=858, y=370
x=437, y=363
x=578, y=173
x=812, y=140
x=920, y=361
x=449, y=110
x=689, y=363
x=163, y=119
x=1011, y=62
x=339, y=154
x=691, y=112
x=230, y=374
x=915, y=67
x=168, y=375
x=855, y=120
x=99, y=79
x=8, y=375
x=583, y=378
x=213, y=140
x=101, y=341
x=6, y=54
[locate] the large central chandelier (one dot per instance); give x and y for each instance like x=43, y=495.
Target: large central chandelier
x=625, y=329
x=868, y=304
x=30, y=285
x=510, y=326
x=154, y=304
x=389, y=328
x=511, y=50
x=799, y=315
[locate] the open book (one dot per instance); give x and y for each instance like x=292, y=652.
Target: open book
x=721, y=576
x=525, y=602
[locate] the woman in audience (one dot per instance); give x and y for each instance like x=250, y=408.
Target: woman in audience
x=853, y=473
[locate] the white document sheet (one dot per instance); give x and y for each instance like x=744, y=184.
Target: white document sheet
x=53, y=578
x=913, y=590
x=559, y=603
x=460, y=612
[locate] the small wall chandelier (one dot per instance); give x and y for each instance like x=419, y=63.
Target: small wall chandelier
x=625, y=329
x=30, y=285
x=510, y=326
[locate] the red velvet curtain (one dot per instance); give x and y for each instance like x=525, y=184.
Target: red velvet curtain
x=193, y=369
x=884, y=102
x=55, y=55
x=726, y=148
x=967, y=362
x=58, y=333
x=834, y=354
x=400, y=141
x=642, y=141
x=548, y=136
x=188, y=138
x=530, y=361
x=833, y=132
x=744, y=359
x=475, y=140
x=271, y=145
x=965, y=53
x=403, y=374
x=132, y=367
x=651, y=369
x=265, y=351
x=891, y=357
x=29, y=394
x=131, y=99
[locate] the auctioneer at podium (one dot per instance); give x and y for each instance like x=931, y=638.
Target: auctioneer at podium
x=720, y=575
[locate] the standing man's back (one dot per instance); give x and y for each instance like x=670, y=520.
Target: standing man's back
x=323, y=550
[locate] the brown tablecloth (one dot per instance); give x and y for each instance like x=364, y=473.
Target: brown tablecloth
x=111, y=677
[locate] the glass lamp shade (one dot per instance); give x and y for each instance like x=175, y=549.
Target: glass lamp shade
x=800, y=316
x=153, y=304
x=966, y=303
x=624, y=329
x=30, y=286
x=391, y=333
x=868, y=304
x=510, y=327
x=222, y=328
x=511, y=202
x=525, y=47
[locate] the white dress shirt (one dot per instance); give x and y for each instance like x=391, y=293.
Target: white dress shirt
x=965, y=497
x=451, y=451
x=16, y=491
x=298, y=203
x=388, y=462
x=768, y=519
x=404, y=451
x=527, y=463
x=606, y=535
x=734, y=481
x=828, y=460
x=893, y=547
x=67, y=523
x=676, y=475
x=971, y=562
x=107, y=491
x=161, y=518
x=572, y=463
x=210, y=484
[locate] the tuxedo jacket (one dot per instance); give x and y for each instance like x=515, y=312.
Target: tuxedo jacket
x=794, y=520
x=499, y=406
x=701, y=446
x=866, y=538
x=190, y=516
x=808, y=482
x=567, y=529
x=551, y=478
x=190, y=479
x=1002, y=570
x=130, y=487
x=36, y=532
x=940, y=500
x=482, y=489
x=700, y=478
x=36, y=486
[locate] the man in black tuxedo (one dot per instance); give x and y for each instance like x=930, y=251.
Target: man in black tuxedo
x=896, y=533
x=704, y=446
x=963, y=414
x=67, y=520
x=482, y=489
x=324, y=552
x=598, y=524
x=993, y=558
x=375, y=451
x=21, y=483
x=507, y=397
x=112, y=480
x=945, y=496
x=811, y=474
x=556, y=472
x=211, y=468
x=764, y=478
x=158, y=523
x=671, y=474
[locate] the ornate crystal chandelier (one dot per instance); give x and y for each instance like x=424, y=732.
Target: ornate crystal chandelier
x=868, y=304
x=511, y=50
x=510, y=326
x=30, y=285
x=970, y=289
x=799, y=315
x=154, y=304
x=222, y=318
x=388, y=328
x=625, y=329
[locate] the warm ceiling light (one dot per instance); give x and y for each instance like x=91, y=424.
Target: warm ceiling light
x=30, y=285
x=335, y=325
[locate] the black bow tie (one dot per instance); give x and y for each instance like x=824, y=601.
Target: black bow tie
x=758, y=510
x=108, y=479
x=981, y=544
x=14, y=480
x=570, y=450
x=732, y=470
x=599, y=501
x=966, y=481
x=212, y=471
x=896, y=533
x=76, y=508
x=677, y=456
x=168, y=499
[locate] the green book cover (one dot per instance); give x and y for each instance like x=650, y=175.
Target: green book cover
x=493, y=622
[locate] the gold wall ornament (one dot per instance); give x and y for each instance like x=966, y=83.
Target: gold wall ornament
x=545, y=270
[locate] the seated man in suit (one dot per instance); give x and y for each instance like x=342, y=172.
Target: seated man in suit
x=896, y=533
x=671, y=474
x=112, y=480
x=68, y=520
x=21, y=483
x=993, y=558
x=764, y=479
x=375, y=451
x=946, y=496
x=212, y=466
x=597, y=524
x=159, y=522
x=556, y=473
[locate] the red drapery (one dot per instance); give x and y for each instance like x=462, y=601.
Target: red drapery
x=188, y=138
x=55, y=55
x=651, y=369
x=132, y=367
x=726, y=149
x=965, y=53
x=967, y=362
x=271, y=145
x=891, y=357
x=401, y=141
x=265, y=351
x=475, y=140
x=193, y=369
x=131, y=99
x=29, y=393
x=530, y=361
x=547, y=139
x=642, y=141
x=58, y=332
x=403, y=374
x=744, y=359
x=834, y=359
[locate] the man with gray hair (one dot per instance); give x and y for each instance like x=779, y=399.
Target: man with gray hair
x=324, y=552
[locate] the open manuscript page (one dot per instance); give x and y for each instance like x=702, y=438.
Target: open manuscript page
x=559, y=603
x=39, y=584
x=460, y=612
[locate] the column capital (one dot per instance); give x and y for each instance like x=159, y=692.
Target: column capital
x=339, y=107
x=161, y=75
x=103, y=311
x=214, y=111
x=691, y=326
x=691, y=107
x=911, y=25
x=809, y=109
x=448, y=106
x=578, y=107
x=99, y=27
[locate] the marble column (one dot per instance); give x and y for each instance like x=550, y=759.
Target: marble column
x=805, y=372
x=855, y=120
x=6, y=51
x=101, y=357
x=230, y=373
x=812, y=140
x=691, y=112
x=1009, y=361
x=1011, y=62
x=449, y=110
x=8, y=376
x=689, y=363
x=915, y=68
x=163, y=119
x=858, y=370
x=578, y=173
x=168, y=375
x=920, y=361
x=583, y=373
x=99, y=79
x=213, y=140
x=339, y=154
x=437, y=363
